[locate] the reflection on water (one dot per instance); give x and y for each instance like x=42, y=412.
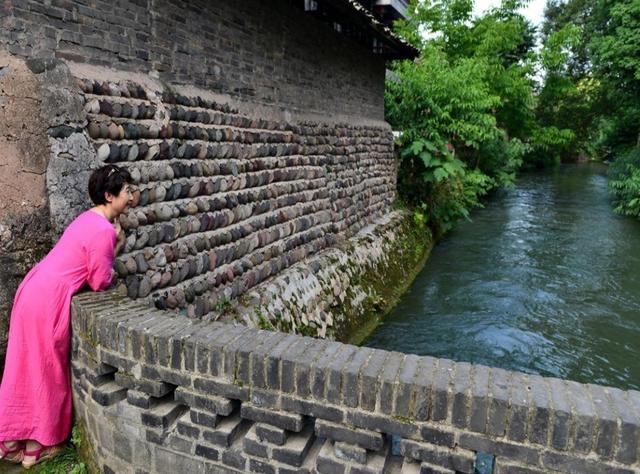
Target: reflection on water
x=546, y=280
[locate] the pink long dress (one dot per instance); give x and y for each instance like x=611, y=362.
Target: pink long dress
x=35, y=395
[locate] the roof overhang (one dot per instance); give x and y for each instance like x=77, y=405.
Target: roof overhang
x=352, y=19
x=393, y=9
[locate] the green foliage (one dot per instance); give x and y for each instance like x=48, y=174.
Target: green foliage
x=575, y=13
x=440, y=102
x=548, y=145
x=472, y=114
x=263, y=321
x=624, y=183
x=616, y=50
x=591, y=60
x=466, y=107
x=67, y=462
x=557, y=48
x=502, y=158
x=438, y=162
x=222, y=305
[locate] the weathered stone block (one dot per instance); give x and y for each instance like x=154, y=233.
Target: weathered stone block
x=456, y=459
x=204, y=419
x=350, y=452
x=281, y=419
x=162, y=415
x=253, y=446
x=607, y=421
x=438, y=435
x=234, y=458
x=296, y=448
x=426, y=468
x=388, y=379
x=405, y=393
x=151, y=387
x=209, y=403
x=327, y=463
x=384, y=424
x=369, y=380
x=207, y=452
x=227, y=431
x=261, y=467
x=442, y=377
x=221, y=388
x=108, y=394
x=351, y=377
x=186, y=428
x=271, y=434
x=568, y=463
x=365, y=438
x=314, y=409
x=517, y=452
x=461, y=395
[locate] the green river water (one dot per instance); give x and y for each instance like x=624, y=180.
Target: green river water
x=545, y=280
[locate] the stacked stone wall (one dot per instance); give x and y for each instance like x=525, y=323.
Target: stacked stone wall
x=162, y=394
x=226, y=201
x=228, y=196
x=271, y=59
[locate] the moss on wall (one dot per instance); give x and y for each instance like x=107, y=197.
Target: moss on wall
x=385, y=282
x=344, y=292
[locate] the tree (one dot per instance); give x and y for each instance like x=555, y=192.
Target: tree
x=465, y=106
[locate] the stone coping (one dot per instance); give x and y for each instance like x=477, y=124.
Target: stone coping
x=354, y=394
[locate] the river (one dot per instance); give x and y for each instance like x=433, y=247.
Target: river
x=545, y=279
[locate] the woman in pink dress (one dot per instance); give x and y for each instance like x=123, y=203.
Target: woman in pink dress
x=35, y=395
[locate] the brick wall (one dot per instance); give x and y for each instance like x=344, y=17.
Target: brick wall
x=164, y=395
x=262, y=52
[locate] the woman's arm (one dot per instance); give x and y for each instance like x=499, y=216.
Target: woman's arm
x=100, y=253
x=120, y=238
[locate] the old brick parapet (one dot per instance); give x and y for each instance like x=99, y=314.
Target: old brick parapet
x=165, y=393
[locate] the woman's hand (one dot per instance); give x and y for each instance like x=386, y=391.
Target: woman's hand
x=120, y=237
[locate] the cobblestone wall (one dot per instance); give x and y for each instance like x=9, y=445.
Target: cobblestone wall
x=262, y=52
x=162, y=394
x=225, y=200
x=266, y=140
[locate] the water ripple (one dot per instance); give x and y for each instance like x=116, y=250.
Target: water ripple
x=544, y=280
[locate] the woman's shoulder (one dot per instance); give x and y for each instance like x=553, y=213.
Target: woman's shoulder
x=92, y=223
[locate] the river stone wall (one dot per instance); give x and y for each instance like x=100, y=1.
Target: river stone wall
x=270, y=61
x=227, y=197
x=226, y=201
x=163, y=394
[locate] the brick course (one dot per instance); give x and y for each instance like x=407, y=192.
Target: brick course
x=266, y=429
x=261, y=52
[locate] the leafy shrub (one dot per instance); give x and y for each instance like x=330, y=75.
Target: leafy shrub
x=624, y=183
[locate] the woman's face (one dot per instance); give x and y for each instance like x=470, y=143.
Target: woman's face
x=120, y=202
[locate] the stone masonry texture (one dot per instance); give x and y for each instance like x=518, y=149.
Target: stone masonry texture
x=262, y=52
x=259, y=104
x=208, y=417
x=265, y=178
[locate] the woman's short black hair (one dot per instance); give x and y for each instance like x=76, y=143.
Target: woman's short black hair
x=108, y=179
